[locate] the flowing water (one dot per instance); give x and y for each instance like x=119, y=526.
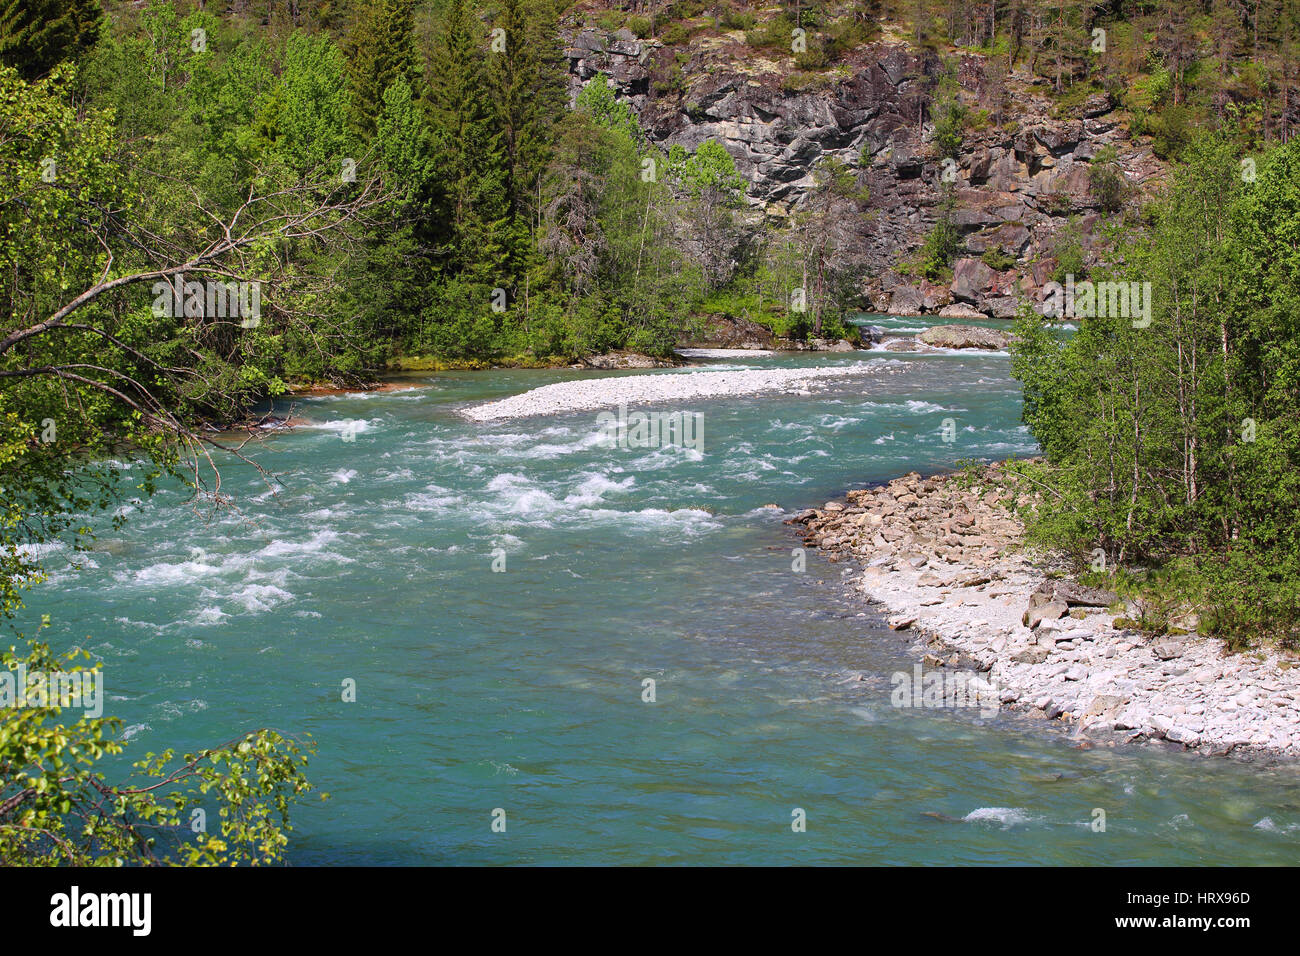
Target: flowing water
x=522, y=689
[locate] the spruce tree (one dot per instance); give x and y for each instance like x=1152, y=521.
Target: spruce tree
x=470, y=158
x=36, y=35
x=527, y=81
x=381, y=50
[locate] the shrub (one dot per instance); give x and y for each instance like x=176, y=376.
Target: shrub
x=938, y=250
x=738, y=20
x=1171, y=131
x=1067, y=250
x=997, y=260
x=675, y=35
x=1105, y=181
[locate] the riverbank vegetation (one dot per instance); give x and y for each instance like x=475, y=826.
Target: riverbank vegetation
x=1174, y=445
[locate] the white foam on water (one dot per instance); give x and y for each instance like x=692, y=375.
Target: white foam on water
x=36, y=551
x=146, y=625
x=593, y=490
x=314, y=545
x=682, y=520
x=355, y=426
x=165, y=574
x=836, y=422
x=1268, y=826
x=430, y=501
x=1006, y=817
x=210, y=615
x=256, y=598
x=516, y=494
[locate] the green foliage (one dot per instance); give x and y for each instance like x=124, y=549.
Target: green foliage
x=941, y=245
x=675, y=34
x=58, y=808
x=773, y=34
x=1105, y=180
x=307, y=116
x=734, y=19
x=1171, y=131
x=380, y=52
x=1175, y=445
x=949, y=116
x=1067, y=251
x=37, y=35
x=710, y=174
x=997, y=260
x=598, y=101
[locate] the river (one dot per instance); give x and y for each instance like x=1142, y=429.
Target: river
x=522, y=689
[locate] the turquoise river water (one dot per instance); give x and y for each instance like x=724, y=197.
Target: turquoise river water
x=522, y=690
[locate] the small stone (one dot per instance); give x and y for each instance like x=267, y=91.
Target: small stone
x=1183, y=735
x=1052, y=611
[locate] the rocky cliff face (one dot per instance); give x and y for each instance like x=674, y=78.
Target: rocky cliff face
x=1016, y=183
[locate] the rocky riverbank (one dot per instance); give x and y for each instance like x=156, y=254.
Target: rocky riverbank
x=946, y=559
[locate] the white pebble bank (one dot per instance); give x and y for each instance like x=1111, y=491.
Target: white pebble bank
x=611, y=391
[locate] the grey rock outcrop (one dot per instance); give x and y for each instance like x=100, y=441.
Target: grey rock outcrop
x=1016, y=183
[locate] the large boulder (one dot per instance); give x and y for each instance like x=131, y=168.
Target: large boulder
x=1003, y=306
x=960, y=310
x=964, y=337
x=1077, y=595
x=1034, y=616
x=906, y=300
x=971, y=279
x=730, y=332
x=934, y=296
x=908, y=344
x=1010, y=237
x=612, y=360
